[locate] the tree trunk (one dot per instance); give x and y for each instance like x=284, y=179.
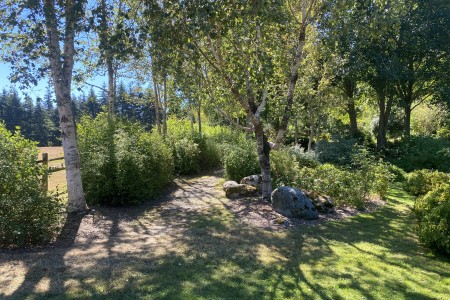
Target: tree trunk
x=61, y=65
x=407, y=121
x=353, y=118
x=296, y=131
x=71, y=155
x=111, y=86
x=157, y=101
x=199, y=115
x=164, y=113
x=109, y=61
x=311, y=131
x=263, y=150
x=384, y=112
x=248, y=123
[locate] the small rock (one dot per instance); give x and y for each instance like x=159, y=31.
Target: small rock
x=253, y=180
x=233, y=189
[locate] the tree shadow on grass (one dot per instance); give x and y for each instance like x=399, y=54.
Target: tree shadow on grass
x=188, y=245
x=51, y=262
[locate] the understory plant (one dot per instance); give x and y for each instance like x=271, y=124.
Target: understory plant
x=193, y=152
x=121, y=162
x=433, y=215
x=421, y=182
x=28, y=215
x=351, y=185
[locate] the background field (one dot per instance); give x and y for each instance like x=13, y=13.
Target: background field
x=56, y=180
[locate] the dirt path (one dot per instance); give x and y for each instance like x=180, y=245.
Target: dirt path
x=105, y=248
x=103, y=240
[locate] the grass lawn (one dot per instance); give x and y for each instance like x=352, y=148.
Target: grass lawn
x=206, y=253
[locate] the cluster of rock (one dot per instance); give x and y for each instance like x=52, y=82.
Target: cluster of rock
x=287, y=201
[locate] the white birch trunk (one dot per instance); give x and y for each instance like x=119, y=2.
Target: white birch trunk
x=61, y=70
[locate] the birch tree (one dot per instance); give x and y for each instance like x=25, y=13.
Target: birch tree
x=39, y=37
x=243, y=44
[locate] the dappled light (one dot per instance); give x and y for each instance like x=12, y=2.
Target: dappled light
x=188, y=243
x=198, y=149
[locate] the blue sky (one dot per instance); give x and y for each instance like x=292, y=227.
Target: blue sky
x=39, y=90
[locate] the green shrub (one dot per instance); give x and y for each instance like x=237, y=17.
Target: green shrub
x=348, y=186
x=337, y=152
x=121, y=162
x=284, y=168
x=187, y=156
x=433, y=214
x=240, y=160
x=444, y=133
x=374, y=174
x=420, y=152
x=28, y=216
x=193, y=152
x=210, y=153
x=422, y=181
x=398, y=174
x=304, y=159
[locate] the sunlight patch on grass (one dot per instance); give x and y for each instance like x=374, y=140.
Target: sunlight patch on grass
x=268, y=256
x=43, y=285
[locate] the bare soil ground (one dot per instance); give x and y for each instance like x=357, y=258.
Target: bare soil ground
x=108, y=238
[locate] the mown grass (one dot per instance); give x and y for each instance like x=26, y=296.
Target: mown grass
x=214, y=256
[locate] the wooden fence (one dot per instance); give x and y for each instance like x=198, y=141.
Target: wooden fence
x=49, y=170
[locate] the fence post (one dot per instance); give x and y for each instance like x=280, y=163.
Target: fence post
x=45, y=163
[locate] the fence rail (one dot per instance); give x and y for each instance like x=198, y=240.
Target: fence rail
x=49, y=170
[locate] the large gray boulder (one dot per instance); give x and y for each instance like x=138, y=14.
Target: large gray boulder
x=323, y=203
x=292, y=202
x=253, y=180
x=233, y=189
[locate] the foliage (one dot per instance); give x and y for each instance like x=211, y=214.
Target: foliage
x=419, y=152
x=28, y=216
x=346, y=185
x=433, y=214
x=121, y=163
x=444, y=132
x=240, y=160
x=427, y=119
x=374, y=172
x=423, y=181
x=284, y=167
x=337, y=152
x=192, y=152
x=186, y=154
x=304, y=158
x=398, y=174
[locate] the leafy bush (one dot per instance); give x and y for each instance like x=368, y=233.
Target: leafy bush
x=28, y=216
x=444, y=133
x=240, y=160
x=187, y=156
x=121, y=163
x=351, y=186
x=192, y=152
x=284, y=168
x=420, y=152
x=373, y=172
x=433, y=214
x=337, y=152
x=398, y=174
x=422, y=181
x=304, y=159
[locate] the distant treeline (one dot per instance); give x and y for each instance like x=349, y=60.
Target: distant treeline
x=38, y=118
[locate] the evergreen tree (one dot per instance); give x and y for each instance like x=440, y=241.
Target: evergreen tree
x=13, y=113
